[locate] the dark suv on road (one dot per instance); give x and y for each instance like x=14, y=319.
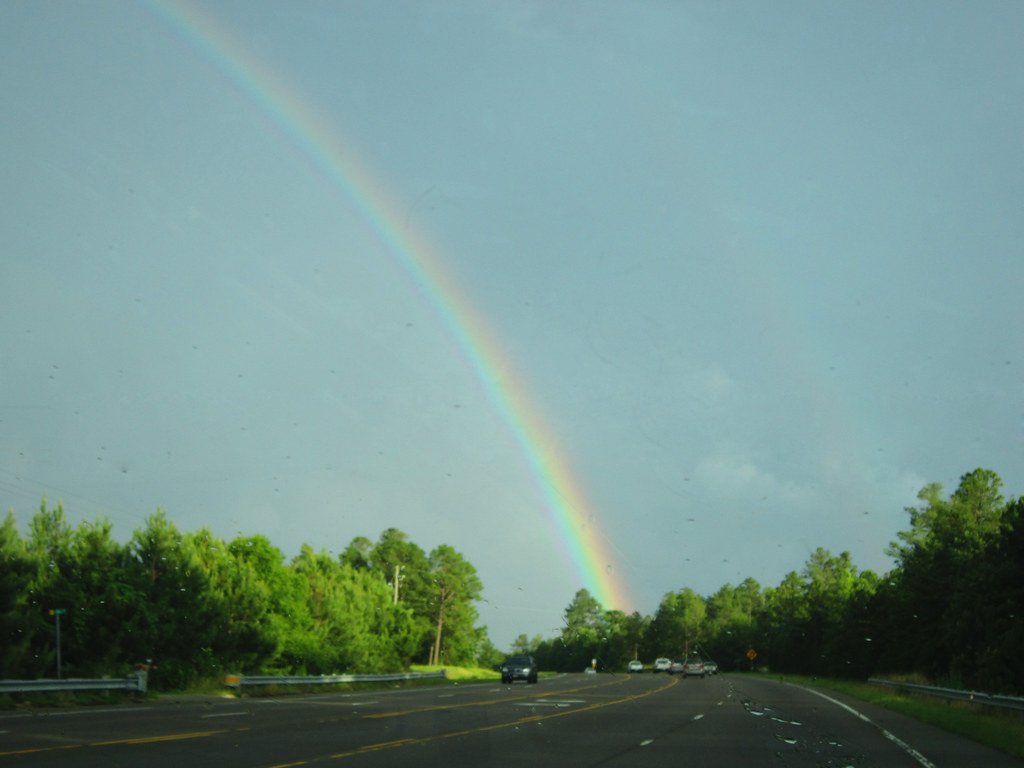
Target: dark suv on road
x=519, y=668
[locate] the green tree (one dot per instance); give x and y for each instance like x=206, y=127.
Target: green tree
x=992, y=629
x=99, y=597
x=15, y=573
x=286, y=620
x=358, y=553
x=734, y=614
x=50, y=534
x=244, y=641
x=938, y=562
x=959, y=526
x=784, y=626
x=170, y=616
x=677, y=628
x=634, y=627
x=456, y=587
x=346, y=606
x=328, y=611
x=523, y=645
x=583, y=619
x=487, y=655
x=395, y=557
x=49, y=558
x=857, y=646
x=621, y=641
x=828, y=587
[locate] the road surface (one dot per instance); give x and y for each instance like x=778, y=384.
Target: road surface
x=571, y=720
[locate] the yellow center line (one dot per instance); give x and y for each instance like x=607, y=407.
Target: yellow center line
x=400, y=713
x=150, y=739
x=140, y=740
x=512, y=723
x=30, y=750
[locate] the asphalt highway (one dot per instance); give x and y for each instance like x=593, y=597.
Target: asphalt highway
x=570, y=720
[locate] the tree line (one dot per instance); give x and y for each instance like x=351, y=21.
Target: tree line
x=951, y=611
x=198, y=607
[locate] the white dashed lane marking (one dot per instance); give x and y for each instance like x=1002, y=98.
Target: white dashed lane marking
x=550, y=703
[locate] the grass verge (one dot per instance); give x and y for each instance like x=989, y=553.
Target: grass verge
x=43, y=699
x=460, y=674
x=453, y=675
x=999, y=729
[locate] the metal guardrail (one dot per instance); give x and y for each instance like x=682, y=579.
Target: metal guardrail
x=137, y=681
x=956, y=694
x=239, y=681
x=134, y=682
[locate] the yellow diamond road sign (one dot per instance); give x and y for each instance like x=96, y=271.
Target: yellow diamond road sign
x=751, y=654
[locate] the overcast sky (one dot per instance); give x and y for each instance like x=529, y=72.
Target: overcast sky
x=757, y=267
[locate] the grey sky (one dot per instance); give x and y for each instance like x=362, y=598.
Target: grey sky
x=758, y=264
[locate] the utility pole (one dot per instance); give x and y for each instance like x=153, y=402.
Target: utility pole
x=398, y=571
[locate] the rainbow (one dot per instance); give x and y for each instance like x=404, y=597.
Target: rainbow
x=586, y=547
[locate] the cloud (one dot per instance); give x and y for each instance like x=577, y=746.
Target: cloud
x=732, y=477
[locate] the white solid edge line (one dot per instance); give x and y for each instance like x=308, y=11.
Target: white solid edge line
x=890, y=736
x=223, y=714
